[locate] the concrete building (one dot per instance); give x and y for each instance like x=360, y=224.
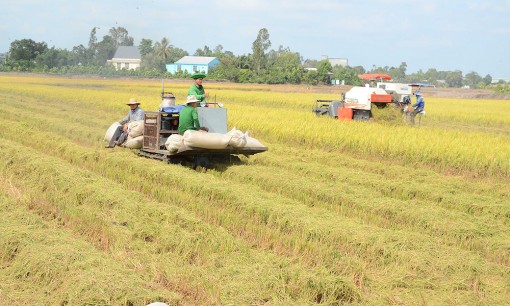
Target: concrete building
x=192, y=64
x=126, y=57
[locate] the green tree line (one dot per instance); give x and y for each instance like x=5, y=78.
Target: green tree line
x=263, y=65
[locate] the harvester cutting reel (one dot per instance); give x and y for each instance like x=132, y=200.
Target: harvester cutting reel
x=327, y=108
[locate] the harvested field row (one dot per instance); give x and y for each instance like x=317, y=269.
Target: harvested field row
x=162, y=241
x=266, y=215
x=315, y=220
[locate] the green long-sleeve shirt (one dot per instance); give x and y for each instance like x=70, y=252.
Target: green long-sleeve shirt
x=188, y=119
x=197, y=91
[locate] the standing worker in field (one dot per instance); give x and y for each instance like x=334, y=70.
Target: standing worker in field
x=197, y=89
x=419, y=106
x=135, y=114
x=188, y=117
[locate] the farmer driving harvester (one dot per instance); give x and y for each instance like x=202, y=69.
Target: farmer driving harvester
x=198, y=90
x=188, y=117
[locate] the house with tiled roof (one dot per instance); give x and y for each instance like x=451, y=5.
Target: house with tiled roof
x=126, y=57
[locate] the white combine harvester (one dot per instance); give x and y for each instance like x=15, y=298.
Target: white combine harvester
x=357, y=102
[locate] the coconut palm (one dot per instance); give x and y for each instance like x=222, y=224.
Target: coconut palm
x=163, y=49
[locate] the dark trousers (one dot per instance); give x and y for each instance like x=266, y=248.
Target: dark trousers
x=415, y=112
x=118, y=136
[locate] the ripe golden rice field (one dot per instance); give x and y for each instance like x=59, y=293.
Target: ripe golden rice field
x=335, y=213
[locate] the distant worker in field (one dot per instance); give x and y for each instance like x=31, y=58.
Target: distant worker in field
x=135, y=114
x=197, y=89
x=419, y=106
x=188, y=117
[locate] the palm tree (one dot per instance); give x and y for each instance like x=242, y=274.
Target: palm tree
x=163, y=49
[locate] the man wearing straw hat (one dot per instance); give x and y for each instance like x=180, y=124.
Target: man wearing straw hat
x=135, y=114
x=188, y=117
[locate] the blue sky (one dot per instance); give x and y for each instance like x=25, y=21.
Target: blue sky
x=450, y=35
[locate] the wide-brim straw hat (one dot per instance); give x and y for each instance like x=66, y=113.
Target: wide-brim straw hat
x=191, y=99
x=133, y=101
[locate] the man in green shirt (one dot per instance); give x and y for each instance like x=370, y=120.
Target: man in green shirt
x=197, y=89
x=188, y=117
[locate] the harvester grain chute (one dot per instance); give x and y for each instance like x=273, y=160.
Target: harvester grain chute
x=357, y=102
